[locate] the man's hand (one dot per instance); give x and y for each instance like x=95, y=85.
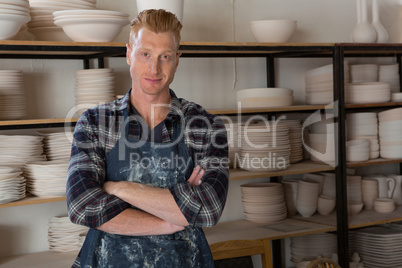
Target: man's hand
x=196, y=176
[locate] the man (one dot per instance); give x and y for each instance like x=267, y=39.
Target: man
x=149, y=170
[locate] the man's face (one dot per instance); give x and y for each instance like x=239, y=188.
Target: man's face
x=153, y=61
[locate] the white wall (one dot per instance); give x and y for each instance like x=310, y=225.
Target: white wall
x=210, y=82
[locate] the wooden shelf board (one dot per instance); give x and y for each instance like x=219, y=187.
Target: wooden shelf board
x=296, y=168
x=363, y=219
x=373, y=105
x=247, y=230
x=40, y=259
x=37, y=121
x=378, y=161
x=32, y=200
x=292, y=108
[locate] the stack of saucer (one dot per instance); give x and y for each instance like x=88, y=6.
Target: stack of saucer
x=46, y=178
x=12, y=184
x=93, y=87
x=263, y=202
x=56, y=146
x=64, y=236
x=296, y=140
x=367, y=92
x=308, y=247
x=12, y=95
x=16, y=150
x=265, y=147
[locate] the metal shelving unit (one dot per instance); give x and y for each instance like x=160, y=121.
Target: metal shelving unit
x=270, y=51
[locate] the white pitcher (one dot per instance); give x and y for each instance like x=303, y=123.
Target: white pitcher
x=397, y=196
x=386, y=186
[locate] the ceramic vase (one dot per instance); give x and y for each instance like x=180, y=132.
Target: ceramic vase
x=174, y=6
x=363, y=32
x=382, y=34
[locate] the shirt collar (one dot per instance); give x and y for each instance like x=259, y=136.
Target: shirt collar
x=175, y=112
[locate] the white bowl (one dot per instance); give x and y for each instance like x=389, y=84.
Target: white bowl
x=354, y=208
x=92, y=30
x=273, y=31
x=10, y=25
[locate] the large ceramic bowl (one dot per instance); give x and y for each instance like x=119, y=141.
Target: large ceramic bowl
x=92, y=29
x=10, y=24
x=273, y=31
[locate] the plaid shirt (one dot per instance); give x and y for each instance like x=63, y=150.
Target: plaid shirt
x=98, y=130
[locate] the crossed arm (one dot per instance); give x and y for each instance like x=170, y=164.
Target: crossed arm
x=159, y=212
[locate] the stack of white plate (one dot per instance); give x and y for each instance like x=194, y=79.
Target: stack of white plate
x=367, y=92
x=264, y=97
x=265, y=147
x=57, y=146
x=363, y=73
x=93, y=87
x=390, y=74
x=295, y=139
x=12, y=184
x=263, y=202
x=390, y=133
x=13, y=14
x=319, y=84
x=42, y=23
x=16, y=150
x=64, y=236
x=12, y=95
x=308, y=247
x=46, y=178
x=234, y=149
x=379, y=246
x=91, y=25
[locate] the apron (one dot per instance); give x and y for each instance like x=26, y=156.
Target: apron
x=154, y=164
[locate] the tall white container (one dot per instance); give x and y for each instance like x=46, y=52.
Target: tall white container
x=174, y=6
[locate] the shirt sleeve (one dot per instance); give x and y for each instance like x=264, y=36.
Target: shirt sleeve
x=87, y=203
x=203, y=205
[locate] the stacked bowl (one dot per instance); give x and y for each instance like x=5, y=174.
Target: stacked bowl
x=13, y=15
x=265, y=147
x=264, y=97
x=364, y=126
x=357, y=150
x=389, y=73
x=307, y=197
x=363, y=73
x=263, y=202
x=367, y=92
x=12, y=95
x=390, y=133
x=93, y=87
x=319, y=84
x=91, y=25
x=42, y=24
